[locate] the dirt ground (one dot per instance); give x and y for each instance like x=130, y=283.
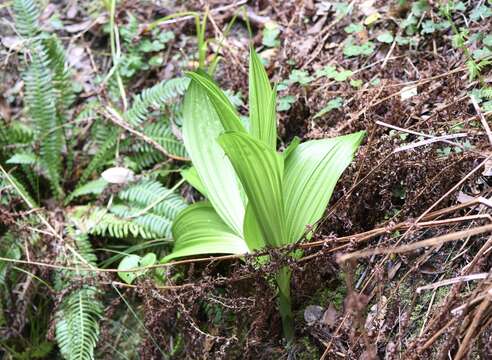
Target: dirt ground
x=409, y=214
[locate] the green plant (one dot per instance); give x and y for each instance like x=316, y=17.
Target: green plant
x=351, y=49
x=77, y=318
x=48, y=92
x=332, y=73
x=143, y=210
x=477, y=60
x=140, y=55
x=333, y=104
x=54, y=145
x=270, y=35
x=256, y=196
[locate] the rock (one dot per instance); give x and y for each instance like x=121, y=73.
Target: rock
x=313, y=313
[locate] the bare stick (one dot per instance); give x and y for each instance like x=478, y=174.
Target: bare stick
x=116, y=118
x=452, y=281
x=463, y=349
x=484, y=122
x=410, y=247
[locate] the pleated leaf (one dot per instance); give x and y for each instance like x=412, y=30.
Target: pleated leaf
x=227, y=113
x=199, y=230
x=311, y=173
x=252, y=231
x=262, y=100
x=201, y=128
x=191, y=176
x=260, y=170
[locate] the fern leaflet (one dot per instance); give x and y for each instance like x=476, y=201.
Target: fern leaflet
x=155, y=96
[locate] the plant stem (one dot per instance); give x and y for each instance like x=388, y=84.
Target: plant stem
x=285, y=303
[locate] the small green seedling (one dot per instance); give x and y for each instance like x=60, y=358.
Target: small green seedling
x=133, y=262
x=257, y=197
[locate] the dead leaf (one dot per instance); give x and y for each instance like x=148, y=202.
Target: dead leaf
x=463, y=198
x=393, y=270
x=317, y=27
x=370, y=354
x=407, y=92
x=4, y=110
x=13, y=43
x=330, y=316
x=72, y=11
x=487, y=168
x=48, y=11
x=372, y=18
x=377, y=314
x=367, y=7
x=118, y=175
x=305, y=46
x=269, y=54
x=75, y=28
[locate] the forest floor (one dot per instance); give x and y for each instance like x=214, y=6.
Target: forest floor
x=398, y=268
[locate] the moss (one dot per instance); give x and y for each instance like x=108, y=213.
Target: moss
x=307, y=349
x=334, y=296
x=417, y=317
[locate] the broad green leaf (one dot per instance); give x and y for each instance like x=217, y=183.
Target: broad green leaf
x=252, y=231
x=198, y=230
x=132, y=262
x=262, y=101
x=311, y=173
x=148, y=260
x=260, y=170
x=225, y=110
x=128, y=262
x=201, y=128
x=291, y=147
x=191, y=176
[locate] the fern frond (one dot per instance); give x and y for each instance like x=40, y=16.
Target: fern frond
x=108, y=224
x=157, y=224
x=26, y=14
x=138, y=202
x=23, y=157
x=135, y=213
x=77, y=325
x=40, y=96
x=19, y=133
x=146, y=192
x=61, y=76
x=163, y=134
x=17, y=189
x=486, y=93
x=145, y=155
x=155, y=97
x=4, y=129
x=473, y=69
x=83, y=247
x=94, y=187
x=40, y=99
x=103, y=154
x=77, y=318
x=9, y=248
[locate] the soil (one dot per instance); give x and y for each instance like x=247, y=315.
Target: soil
x=370, y=305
